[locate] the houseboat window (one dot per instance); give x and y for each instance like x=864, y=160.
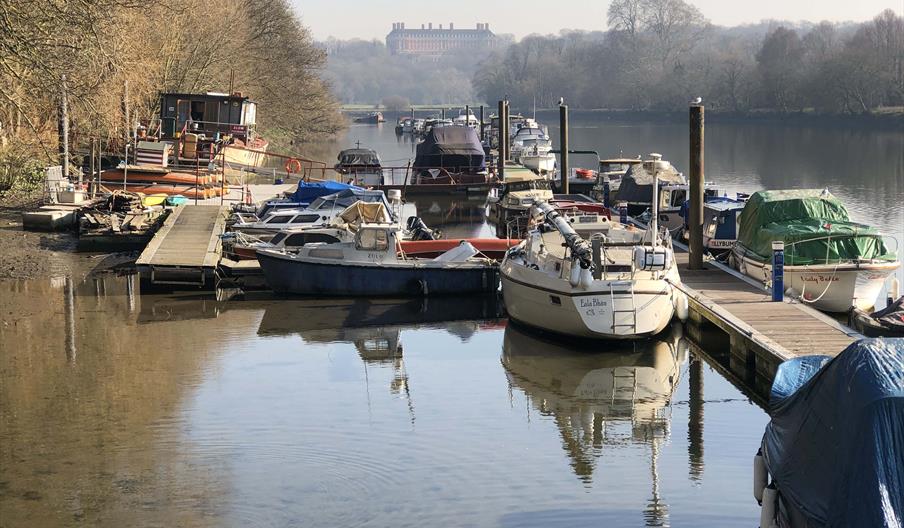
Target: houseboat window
x=280, y=219
x=373, y=240
x=306, y=219
x=679, y=197
x=277, y=238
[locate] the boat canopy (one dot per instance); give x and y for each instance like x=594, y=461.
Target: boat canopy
x=307, y=192
x=835, y=443
x=346, y=198
x=814, y=225
x=637, y=184
x=359, y=157
x=454, y=148
x=363, y=212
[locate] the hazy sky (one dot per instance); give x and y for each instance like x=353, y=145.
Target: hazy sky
x=373, y=18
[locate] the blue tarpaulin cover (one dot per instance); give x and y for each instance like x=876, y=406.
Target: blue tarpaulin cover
x=835, y=444
x=307, y=192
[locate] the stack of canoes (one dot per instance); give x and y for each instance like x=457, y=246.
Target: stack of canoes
x=157, y=180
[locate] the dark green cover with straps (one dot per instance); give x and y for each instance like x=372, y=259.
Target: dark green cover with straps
x=814, y=225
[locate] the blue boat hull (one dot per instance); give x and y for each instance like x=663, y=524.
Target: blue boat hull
x=334, y=279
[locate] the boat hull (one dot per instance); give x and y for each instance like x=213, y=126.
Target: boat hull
x=306, y=277
x=830, y=288
x=587, y=314
x=539, y=163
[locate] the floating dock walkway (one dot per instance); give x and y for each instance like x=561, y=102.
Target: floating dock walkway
x=187, y=248
x=761, y=334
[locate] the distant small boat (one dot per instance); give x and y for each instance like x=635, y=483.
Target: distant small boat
x=373, y=117
x=371, y=266
x=360, y=165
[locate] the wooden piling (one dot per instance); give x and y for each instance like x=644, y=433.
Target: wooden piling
x=695, y=211
x=500, y=147
x=481, y=124
x=63, y=126
x=563, y=146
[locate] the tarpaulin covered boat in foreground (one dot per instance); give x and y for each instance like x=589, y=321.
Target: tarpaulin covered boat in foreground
x=835, y=445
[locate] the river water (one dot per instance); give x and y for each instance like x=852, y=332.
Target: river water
x=120, y=409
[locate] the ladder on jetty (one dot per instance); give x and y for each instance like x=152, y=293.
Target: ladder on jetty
x=187, y=248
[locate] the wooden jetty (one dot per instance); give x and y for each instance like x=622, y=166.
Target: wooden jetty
x=187, y=248
x=736, y=318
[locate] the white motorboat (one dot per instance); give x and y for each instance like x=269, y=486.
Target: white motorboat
x=371, y=265
x=830, y=262
x=590, y=277
x=527, y=134
x=322, y=211
x=535, y=155
x=467, y=119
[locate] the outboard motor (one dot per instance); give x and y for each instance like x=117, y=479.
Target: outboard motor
x=419, y=230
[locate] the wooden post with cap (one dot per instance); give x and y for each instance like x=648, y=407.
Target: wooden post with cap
x=695, y=209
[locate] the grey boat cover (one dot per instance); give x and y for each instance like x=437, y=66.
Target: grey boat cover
x=835, y=444
x=637, y=184
x=454, y=148
x=359, y=157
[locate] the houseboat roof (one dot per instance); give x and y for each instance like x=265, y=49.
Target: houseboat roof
x=208, y=95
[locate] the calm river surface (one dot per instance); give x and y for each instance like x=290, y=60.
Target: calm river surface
x=118, y=409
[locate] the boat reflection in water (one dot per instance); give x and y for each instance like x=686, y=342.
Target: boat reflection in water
x=375, y=325
x=613, y=397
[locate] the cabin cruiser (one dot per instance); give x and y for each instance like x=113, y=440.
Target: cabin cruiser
x=589, y=277
x=830, y=262
x=466, y=119
x=450, y=155
x=535, y=155
x=372, y=118
x=528, y=136
x=342, y=228
x=321, y=211
x=636, y=188
x=360, y=166
x=372, y=266
x=517, y=195
x=720, y=222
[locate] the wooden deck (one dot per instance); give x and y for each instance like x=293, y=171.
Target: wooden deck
x=762, y=334
x=186, y=249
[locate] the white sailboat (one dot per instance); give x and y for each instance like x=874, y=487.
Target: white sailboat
x=590, y=277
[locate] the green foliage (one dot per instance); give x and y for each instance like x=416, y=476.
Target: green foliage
x=20, y=170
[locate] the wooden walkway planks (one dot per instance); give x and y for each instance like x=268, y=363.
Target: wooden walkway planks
x=772, y=332
x=188, y=241
x=189, y=237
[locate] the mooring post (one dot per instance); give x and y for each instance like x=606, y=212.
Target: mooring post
x=500, y=142
x=63, y=126
x=481, y=124
x=443, y=113
x=695, y=210
x=468, y=115
x=563, y=146
x=778, y=271
x=412, y=113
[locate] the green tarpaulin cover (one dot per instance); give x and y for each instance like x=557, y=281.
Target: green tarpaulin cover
x=814, y=225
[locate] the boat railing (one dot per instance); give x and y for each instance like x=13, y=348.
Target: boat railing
x=790, y=247
x=397, y=175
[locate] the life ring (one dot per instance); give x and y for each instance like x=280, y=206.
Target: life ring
x=584, y=174
x=293, y=166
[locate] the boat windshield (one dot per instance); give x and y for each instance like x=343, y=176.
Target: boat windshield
x=528, y=185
